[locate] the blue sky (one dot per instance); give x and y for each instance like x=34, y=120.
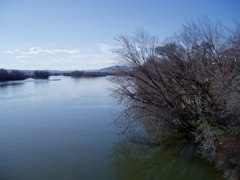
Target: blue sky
x=77, y=34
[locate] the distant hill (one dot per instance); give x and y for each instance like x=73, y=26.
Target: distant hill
x=114, y=69
x=109, y=71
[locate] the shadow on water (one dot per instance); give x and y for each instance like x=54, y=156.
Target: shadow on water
x=11, y=90
x=8, y=84
x=143, y=161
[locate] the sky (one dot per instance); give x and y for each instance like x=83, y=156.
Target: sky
x=79, y=34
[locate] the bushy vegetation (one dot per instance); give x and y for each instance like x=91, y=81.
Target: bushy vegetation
x=78, y=74
x=87, y=74
x=12, y=75
x=188, y=85
x=41, y=74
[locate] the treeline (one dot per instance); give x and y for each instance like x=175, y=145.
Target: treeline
x=13, y=75
x=84, y=74
x=40, y=74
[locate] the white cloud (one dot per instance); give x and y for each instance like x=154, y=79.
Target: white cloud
x=104, y=48
x=32, y=50
x=36, y=57
x=37, y=50
x=68, y=51
x=9, y=51
x=21, y=56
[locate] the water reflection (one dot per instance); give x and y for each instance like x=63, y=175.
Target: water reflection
x=7, y=84
x=59, y=129
x=143, y=161
x=62, y=129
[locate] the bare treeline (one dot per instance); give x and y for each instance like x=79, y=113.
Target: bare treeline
x=188, y=85
x=13, y=75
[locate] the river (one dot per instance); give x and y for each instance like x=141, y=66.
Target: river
x=63, y=128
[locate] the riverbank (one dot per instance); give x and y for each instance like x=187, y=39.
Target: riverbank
x=14, y=75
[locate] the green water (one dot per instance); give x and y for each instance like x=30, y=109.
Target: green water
x=178, y=160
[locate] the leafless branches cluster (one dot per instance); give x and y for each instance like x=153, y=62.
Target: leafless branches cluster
x=189, y=84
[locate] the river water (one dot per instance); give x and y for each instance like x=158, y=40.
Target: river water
x=63, y=128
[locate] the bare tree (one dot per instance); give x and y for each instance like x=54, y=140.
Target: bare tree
x=188, y=85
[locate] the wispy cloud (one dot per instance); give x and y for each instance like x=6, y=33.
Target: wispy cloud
x=12, y=51
x=21, y=56
x=37, y=50
x=37, y=57
x=104, y=48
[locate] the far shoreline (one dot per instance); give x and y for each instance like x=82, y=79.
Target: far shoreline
x=14, y=75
